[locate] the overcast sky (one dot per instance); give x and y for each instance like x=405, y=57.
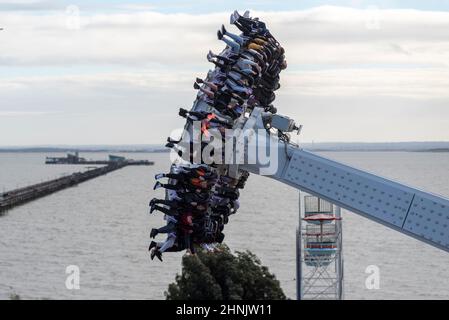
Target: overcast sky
x=358, y=70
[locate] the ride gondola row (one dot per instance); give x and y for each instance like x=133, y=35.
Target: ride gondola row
x=201, y=195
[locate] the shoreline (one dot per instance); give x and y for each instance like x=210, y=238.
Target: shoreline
x=62, y=150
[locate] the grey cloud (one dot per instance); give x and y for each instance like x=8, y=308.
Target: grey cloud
x=367, y=83
x=31, y=5
x=321, y=35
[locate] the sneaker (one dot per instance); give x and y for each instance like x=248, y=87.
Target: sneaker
x=153, y=244
x=158, y=176
x=157, y=185
x=153, y=207
x=196, y=86
x=153, y=254
x=152, y=202
x=232, y=18
x=153, y=233
x=219, y=35
x=223, y=29
x=198, y=80
x=158, y=254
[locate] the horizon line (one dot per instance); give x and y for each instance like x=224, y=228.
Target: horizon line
x=162, y=144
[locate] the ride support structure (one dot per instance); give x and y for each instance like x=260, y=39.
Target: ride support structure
x=319, y=250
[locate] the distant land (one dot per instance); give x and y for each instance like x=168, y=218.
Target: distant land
x=431, y=146
x=438, y=146
x=86, y=148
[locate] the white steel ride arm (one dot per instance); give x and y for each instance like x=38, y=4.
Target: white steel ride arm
x=421, y=215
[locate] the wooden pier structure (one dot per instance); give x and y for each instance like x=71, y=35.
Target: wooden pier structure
x=76, y=159
x=20, y=196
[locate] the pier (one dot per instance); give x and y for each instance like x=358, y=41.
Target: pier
x=13, y=198
x=76, y=159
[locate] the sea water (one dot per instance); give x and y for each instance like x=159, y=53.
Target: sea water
x=102, y=226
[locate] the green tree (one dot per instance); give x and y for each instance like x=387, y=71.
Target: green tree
x=224, y=276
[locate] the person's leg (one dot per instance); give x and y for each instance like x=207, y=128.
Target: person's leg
x=187, y=241
x=233, y=36
x=199, y=115
x=159, y=176
x=237, y=74
x=235, y=47
x=209, y=93
x=170, y=227
x=256, y=54
x=231, y=113
x=173, y=204
x=167, y=186
x=237, y=18
x=158, y=201
x=176, y=176
x=221, y=123
x=249, y=64
x=247, y=24
x=192, y=247
x=170, y=186
x=218, y=65
x=211, y=85
x=167, y=211
x=242, y=28
x=248, y=71
x=174, y=248
x=244, y=62
x=236, y=87
x=167, y=244
x=224, y=59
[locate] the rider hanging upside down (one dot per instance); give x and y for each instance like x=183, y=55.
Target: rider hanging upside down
x=199, y=199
